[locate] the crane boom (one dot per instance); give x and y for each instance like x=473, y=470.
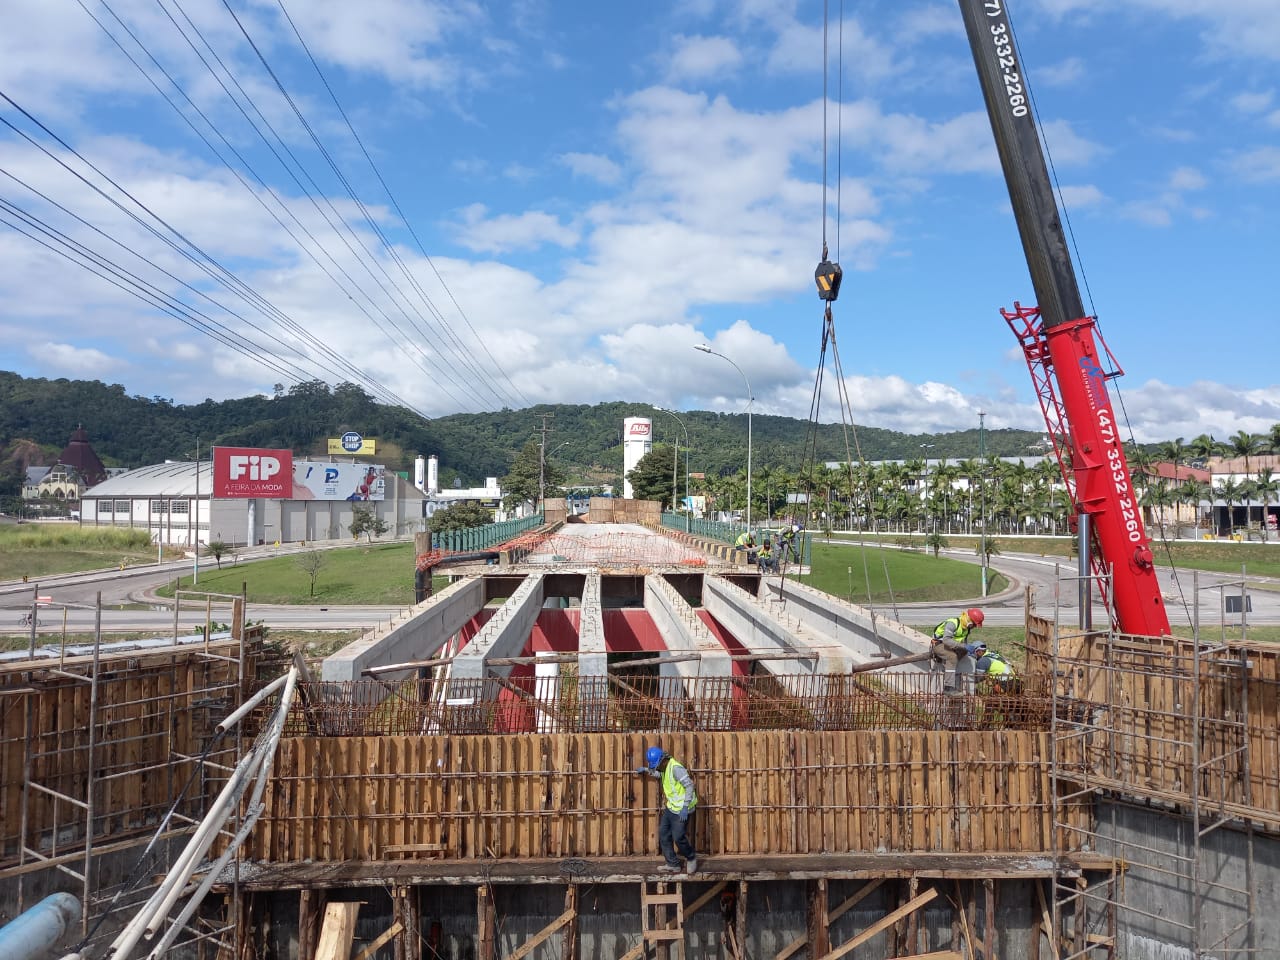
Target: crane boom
x=1060, y=342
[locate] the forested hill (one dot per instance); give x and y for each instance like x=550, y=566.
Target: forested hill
x=134, y=431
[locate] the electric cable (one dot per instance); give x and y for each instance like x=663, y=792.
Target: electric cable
x=403, y=217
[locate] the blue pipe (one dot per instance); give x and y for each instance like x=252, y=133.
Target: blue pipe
x=33, y=933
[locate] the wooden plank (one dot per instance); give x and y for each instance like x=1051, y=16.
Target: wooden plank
x=542, y=935
x=378, y=941
x=882, y=924
x=338, y=930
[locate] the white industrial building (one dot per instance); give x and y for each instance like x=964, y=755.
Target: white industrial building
x=173, y=502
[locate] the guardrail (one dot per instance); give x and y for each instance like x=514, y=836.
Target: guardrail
x=491, y=534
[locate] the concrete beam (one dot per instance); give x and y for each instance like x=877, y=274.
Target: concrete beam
x=760, y=628
x=593, y=662
x=418, y=635
x=867, y=636
x=505, y=635
x=683, y=632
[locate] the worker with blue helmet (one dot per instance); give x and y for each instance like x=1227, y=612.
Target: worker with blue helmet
x=675, y=824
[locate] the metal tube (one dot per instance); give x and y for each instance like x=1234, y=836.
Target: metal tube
x=30, y=935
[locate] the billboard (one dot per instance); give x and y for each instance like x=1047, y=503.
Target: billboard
x=252, y=472
x=351, y=443
x=320, y=480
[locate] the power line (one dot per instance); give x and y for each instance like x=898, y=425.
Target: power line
x=396, y=205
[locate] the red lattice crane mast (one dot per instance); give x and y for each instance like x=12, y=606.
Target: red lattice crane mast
x=1061, y=344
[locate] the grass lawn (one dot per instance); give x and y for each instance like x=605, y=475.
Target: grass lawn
x=377, y=573
x=37, y=550
x=1223, y=556
x=852, y=573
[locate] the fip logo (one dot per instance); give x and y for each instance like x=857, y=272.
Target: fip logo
x=253, y=467
x=352, y=442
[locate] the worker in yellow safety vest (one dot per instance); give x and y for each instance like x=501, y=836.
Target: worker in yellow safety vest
x=949, y=645
x=675, y=824
x=995, y=668
x=747, y=541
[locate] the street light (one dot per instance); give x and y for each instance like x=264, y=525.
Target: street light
x=750, y=400
x=674, y=460
x=982, y=498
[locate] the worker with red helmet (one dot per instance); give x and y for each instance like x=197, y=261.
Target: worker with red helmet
x=675, y=825
x=949, y=643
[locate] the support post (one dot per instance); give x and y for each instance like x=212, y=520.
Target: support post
x=819, y=924
x=486, y=948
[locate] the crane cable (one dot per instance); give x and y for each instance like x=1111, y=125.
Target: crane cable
x=828, y=277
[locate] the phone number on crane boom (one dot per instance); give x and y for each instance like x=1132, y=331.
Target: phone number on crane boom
x=1008, y=62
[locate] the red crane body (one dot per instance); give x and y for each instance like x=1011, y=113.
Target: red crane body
x=1060, y=341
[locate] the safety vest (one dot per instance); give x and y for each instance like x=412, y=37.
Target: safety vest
x=743, y=539
x=765, y=553
x=999, y=666
x=674, y=790
x=961, y=630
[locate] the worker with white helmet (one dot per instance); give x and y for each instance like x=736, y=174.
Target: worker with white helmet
x=949, y=643
x=675, y=824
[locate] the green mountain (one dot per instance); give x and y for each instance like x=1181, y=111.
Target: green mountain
x=40, y=414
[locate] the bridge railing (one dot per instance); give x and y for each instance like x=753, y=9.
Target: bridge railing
x=490, y=535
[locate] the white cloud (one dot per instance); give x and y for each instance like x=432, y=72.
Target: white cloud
x=593, y=166
x=1160, y=411
x=1064, y=73
x=76, y=361
x=1187, y=178
x=1081, y=196
x=1259, y=165
x=505, y=233
x=1252, y=102
x=696, y=58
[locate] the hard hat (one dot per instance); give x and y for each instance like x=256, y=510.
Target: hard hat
x=975, y=616
x=980, y=645
x=653, y=756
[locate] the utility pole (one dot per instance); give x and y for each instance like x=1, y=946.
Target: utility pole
x=542, y=462
x=982, y=498
x=195, y=562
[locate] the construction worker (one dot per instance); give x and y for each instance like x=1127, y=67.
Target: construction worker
x=949, y=643
x=675, y=824
x=998, y=671
x=789, y=541
x=747, y=541
x=765, y=557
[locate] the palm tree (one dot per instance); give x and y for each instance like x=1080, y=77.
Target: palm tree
x=1175, y=451
x=1229, y=492
x=1245, y=444
x=1194, y=492
x=1203, y=447
x=1266, y=486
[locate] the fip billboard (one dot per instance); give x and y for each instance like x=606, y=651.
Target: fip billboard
x=252, y=472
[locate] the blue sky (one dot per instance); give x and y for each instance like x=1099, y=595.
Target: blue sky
x=580, y=192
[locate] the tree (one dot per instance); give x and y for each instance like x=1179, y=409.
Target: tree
x=462, y=515
x=935, y=541
x=366, y=521
x=215, y=549
x=529, y=476
x=1266, y=486
x=310, y=563
x=651, y=477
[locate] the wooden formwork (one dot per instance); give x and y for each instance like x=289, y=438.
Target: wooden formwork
x=126, y=754
x=1139, y=714
x=577, y=795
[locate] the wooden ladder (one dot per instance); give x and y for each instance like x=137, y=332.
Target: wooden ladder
x=662, y=911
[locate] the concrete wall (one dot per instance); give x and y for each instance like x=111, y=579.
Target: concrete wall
x=1157, y=845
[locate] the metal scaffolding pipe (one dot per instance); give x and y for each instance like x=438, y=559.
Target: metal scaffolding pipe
x=31, y=934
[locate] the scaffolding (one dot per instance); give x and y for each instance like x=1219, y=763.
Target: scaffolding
x=117, y=755
x=1163, y=729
